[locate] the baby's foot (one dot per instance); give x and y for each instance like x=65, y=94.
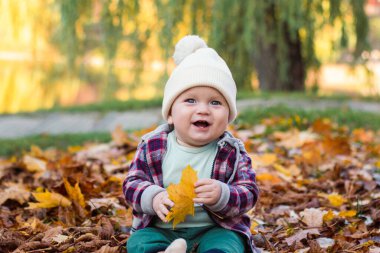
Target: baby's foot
x=177, y=246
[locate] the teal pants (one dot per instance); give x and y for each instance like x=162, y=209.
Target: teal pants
x=202, y=239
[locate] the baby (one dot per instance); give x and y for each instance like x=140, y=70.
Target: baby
x=199, y=103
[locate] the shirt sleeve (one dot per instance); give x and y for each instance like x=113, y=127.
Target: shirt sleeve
x=242, y=193
x=139, y=180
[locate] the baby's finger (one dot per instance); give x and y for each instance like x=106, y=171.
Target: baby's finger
x=203, y=181
x=162, y=216
x=203, y=188
x=168, y=202
x=163, y=209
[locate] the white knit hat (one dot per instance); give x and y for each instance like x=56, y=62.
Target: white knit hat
x=198, y=65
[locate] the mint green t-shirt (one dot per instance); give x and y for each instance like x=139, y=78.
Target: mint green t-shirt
x=176, y=158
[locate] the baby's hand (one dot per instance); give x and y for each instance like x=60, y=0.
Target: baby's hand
x=161, y=202
x=208, y=191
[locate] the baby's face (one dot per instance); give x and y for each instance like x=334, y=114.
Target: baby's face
x=200, y=116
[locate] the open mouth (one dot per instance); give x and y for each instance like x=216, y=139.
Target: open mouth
x=201, y=123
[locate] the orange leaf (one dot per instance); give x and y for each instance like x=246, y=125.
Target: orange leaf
x=75, y=193
x=269, y=178
x=336, y=146
x=322, y=126
x=120, y=138
x=347, y=214
x=182, y=195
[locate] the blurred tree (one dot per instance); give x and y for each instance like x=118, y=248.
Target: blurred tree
x=275, y=38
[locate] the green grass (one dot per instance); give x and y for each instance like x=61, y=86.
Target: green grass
x=352, y=119
x=9, y=147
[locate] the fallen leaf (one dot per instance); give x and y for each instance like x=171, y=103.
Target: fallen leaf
x=182, y=194
x=336, y=146
x=75, y=193
x=108, y=249
x=325, y=242
x=282, y=170
x=328, y=216
x=51, y=233
x=120, y=138
x=313, y=217
x=347, y=214
x=14, y=191
x=268, y=177
x=322, y=126
x=33, y=164
x=59, y=238
x=301, y=235
x=336, y=200
x=295, y=138
x=263, y=160
x=49, y=200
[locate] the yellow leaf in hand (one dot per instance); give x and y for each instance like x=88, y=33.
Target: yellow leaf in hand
x=182, y=195
x=49, y=200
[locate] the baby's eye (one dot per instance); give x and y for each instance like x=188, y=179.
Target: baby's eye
x=190, y=100
x=215, y=102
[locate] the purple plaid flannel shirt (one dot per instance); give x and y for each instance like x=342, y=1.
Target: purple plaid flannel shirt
x=232, y=166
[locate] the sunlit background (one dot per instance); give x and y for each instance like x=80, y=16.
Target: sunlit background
x=35, y=73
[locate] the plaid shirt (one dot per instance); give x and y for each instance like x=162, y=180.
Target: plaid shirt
x=232, y=166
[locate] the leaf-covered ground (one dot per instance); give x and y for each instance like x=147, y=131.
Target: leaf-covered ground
x=320, y=191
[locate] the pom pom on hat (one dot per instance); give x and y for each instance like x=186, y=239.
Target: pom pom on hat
x=186, y=46
x=198, y=65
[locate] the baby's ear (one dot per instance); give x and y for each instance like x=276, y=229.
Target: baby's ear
x=170, y=119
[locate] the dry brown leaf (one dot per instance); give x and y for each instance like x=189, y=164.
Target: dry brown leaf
x=14, y=191
x=182, y=194
x=294, y=138
x=333, y=146
x=301, y=235
x=313, y=217
x=120, y=138
x=52, y=233
x=107, y=249
x=33, y=164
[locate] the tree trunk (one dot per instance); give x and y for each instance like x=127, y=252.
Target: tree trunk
x=266, y=67
x=267, y=61
x=296, y=80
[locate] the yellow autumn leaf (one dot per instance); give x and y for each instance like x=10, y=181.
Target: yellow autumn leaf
x=75, y=193
x=254, y=224
x=263, y=160
x=328, y=216
x=282, y=170
x=182, y=194
x=347, y=214
x=335, y=199
x=49, y=200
